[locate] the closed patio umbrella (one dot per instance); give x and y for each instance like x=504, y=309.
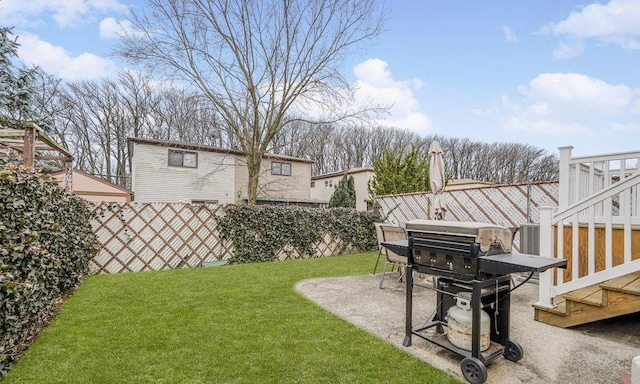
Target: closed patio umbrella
x=436, y=178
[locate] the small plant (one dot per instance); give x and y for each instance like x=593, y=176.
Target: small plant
x=400, y=173
x=345, y=194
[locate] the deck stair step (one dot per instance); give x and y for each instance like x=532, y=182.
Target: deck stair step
x=615, y=297
x=628, y=284
x=588, y=295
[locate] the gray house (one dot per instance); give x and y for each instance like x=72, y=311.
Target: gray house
x=173, y=171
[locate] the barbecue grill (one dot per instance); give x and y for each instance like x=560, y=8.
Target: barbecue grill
x=466, y=258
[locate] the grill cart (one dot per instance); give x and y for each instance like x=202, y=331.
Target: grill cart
x=471, y=263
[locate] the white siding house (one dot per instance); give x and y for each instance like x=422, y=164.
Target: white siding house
x=323, y=186
x=171, y=171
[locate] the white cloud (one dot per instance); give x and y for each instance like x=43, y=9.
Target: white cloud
x=569, y=104
x=545, y=127
x=509, y=105
x=110, y=28
x=568, y=51
x=636, y=107
x=375, y=83
x=66, y=13
x=56, y=60
x=617, y=22
x=573, y=92
x=509, y=35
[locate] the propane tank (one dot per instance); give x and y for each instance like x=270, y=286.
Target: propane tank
x=635, y=370
x=460, y=321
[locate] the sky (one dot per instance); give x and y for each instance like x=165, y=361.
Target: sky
x=547, y=73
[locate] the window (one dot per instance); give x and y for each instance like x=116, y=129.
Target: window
x=281, y=169
x=328, y=184
x=313, y=184
x=183, y=159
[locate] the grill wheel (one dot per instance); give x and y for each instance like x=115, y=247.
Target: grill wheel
x=473, y=370
x=513, y=351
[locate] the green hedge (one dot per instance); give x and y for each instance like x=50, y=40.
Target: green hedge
x=46, y=242
x=260, y=232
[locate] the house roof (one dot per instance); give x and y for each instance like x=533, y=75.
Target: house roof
x=342, y=173
x=465, y=183
x=208, y=148
x=95, y=178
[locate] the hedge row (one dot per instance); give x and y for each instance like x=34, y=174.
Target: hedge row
x=46, y=242
x=260, y=233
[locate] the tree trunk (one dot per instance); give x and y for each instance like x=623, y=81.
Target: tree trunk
x=253, y=166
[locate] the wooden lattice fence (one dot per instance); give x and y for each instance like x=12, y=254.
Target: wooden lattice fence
x=153, y=236
x=505, y=205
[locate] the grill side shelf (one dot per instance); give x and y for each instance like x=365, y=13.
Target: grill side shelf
x=399, y=247
x=518, y=262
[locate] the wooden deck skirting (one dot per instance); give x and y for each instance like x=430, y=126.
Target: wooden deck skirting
x=600, y=247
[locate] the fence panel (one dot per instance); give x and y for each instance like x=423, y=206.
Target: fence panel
x=506, y=205
x=138, y=237
x=152, y=236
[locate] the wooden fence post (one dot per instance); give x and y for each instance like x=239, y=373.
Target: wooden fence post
x=28, y=153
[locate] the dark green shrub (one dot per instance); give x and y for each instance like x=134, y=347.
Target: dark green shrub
x=261, y=233
x=46, y=242
x=345, y=194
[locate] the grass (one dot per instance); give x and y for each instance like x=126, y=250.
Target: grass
x=231, y=324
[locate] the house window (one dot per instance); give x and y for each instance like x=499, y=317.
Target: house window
x=183, y=159
x=313, y=184
x=328, y=184
x=281, y=169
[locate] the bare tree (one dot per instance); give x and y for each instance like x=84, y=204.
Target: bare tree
x=256, y=60
x=46, y=103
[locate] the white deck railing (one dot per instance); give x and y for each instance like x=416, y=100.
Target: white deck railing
x=594, y=192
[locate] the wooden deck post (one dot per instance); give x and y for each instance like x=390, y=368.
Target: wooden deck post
x=68, y=175
x=28, y=153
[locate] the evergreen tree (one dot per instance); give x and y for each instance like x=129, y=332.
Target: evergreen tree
x=396, y=174
x=16, y=85
x=345, y=194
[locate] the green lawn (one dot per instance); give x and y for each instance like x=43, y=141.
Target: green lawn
x=230, y=324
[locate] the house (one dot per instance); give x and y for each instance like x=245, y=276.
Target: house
x=93, y=188
x=322, y=186
x=173, y=171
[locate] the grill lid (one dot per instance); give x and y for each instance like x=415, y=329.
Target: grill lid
x=484, y=234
